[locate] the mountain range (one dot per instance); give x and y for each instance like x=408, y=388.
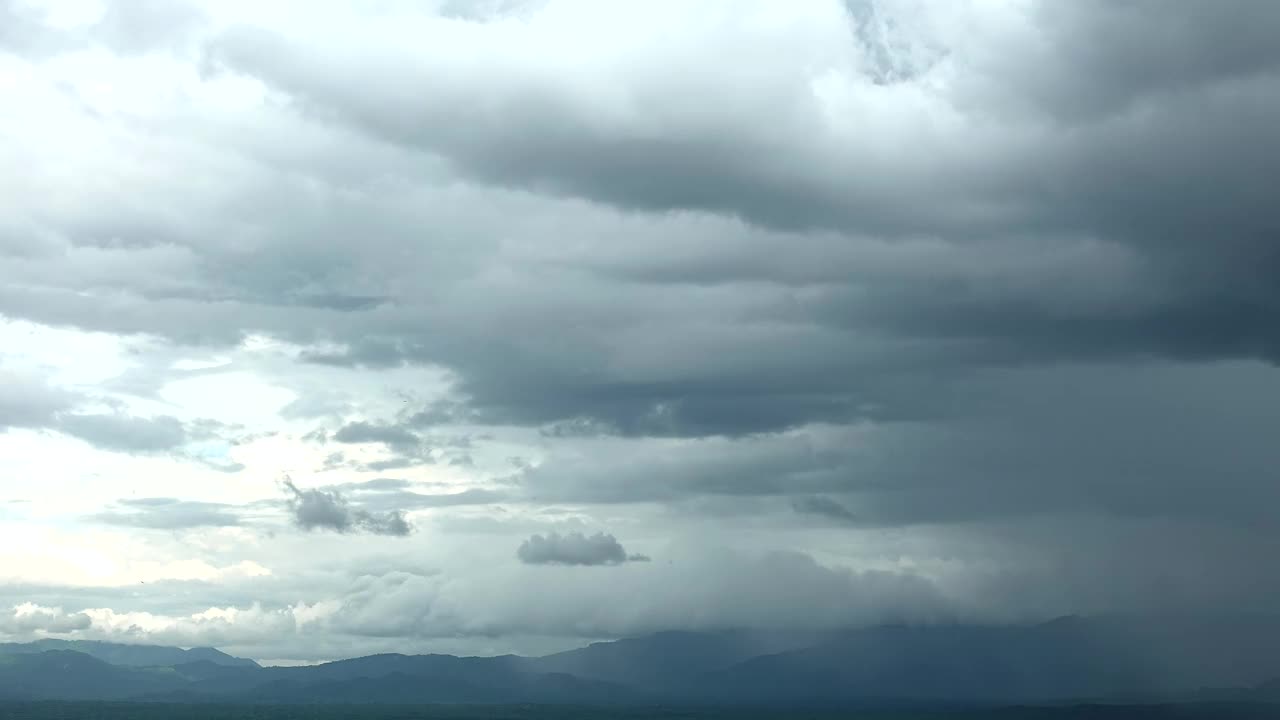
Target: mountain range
x=1068, y=659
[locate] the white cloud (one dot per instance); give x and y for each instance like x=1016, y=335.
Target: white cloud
x=28, y=619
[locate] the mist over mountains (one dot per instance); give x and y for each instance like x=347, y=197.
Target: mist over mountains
x=1107, y=659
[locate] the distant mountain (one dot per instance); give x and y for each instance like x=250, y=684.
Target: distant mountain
x=668, y=659
x=1070, y=659
x=69, y=675
x=134, y=655
x=1066, y=659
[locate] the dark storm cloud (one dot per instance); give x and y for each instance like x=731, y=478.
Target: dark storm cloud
x=168, y=514
x=1126, y=442
x=574, y=548
x=1145, y=143
x=624, y=471
x=316, y=509
x=1102, y=58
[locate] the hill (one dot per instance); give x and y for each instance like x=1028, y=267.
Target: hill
x=1067, y=660
x=133, y=655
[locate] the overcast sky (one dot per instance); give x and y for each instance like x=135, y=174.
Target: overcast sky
x=342, y=327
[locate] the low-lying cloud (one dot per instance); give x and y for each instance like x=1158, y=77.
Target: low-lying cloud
x=575, y=548
x=29, y=618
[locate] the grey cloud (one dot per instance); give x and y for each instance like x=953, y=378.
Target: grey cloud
x=978, y=185
x=377, y=485
x=392, y=464
x=607, y=470
x=314, y=405
x=706, y=591
x=824, y=507
x=316, y=509
x=27, y=401
x=390, y=523
x=472, y=496
x=319, y=435
x=572, y=549
x=364, y=432
x=168, y=514
x=333, y=461
x=125, y=433
x=1149, y=440
x=1103, y=58
x=403, y=439
x=392, y=494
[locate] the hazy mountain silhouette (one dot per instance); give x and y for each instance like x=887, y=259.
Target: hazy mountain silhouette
x=122, y=654
x=70, y=675
x=1069, y=658
x=1065, y=660
x=669, y=658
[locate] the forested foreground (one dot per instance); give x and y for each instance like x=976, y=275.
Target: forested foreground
x=164, y=711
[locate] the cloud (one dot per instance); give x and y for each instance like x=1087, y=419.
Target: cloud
x=574, y=548
x=613, y=470
x=141, y=26
x=329, y=510
x=168, y=514
x=29, y=401
x=705, y=591
x=27, y=619
x=896, y=222
x=824, y=507
x=409, y=448
x=26, y=400
x=363, y=432
x=390, y=494
x=996, y=279
x=125, y=433
x=373, y=609
x=864, y=194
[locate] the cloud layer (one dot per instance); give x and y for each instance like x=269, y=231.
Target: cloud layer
x=968, y=308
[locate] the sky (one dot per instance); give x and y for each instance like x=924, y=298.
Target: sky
x=344, y=327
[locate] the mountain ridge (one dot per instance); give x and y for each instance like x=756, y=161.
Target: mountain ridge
x=1068, y=659
x=136, y=655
